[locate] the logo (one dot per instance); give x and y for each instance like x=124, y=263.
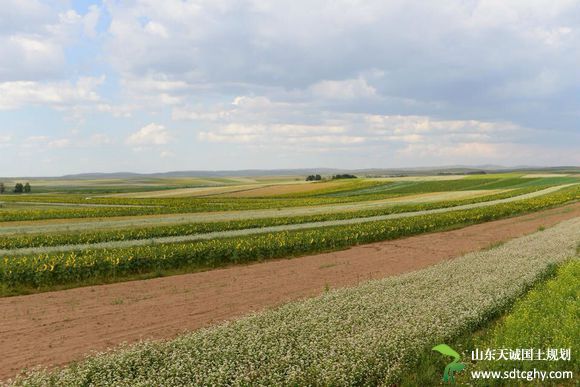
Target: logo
x=454, y=366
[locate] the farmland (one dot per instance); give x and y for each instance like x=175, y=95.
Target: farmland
x=68, y=236
x=364, y=335
x=289, y=193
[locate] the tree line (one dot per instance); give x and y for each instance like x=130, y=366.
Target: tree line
x=18, y=188
x=333, y=177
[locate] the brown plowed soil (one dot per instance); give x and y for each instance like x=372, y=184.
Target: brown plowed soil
x=58, y=327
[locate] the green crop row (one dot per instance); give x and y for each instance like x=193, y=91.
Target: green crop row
x=107, y=264
x=345, y=189
x=418, y=187
x=135, y=207
x=147, y=232
x=363, y=336
x=155, y=206
x=355, y=188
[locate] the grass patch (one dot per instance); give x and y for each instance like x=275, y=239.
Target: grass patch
x=546, y=317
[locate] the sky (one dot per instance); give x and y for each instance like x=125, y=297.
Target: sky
x=149, y=86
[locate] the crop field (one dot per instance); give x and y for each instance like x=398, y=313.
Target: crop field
x=301, y=188
x=547, y=317
x=366, y=335
x=71, y=234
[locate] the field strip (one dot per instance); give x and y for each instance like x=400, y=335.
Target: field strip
x=186, y=192
x=77, y=204
x=202, y=191
x=262, y=230
x=157, y=220
x=59, y=327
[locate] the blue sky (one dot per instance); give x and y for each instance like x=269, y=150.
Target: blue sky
x=149, y=86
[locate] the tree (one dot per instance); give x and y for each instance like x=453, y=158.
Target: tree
x=18, y=188
x=2, y=188
x=344, y=176
x=27, y=187
x=313, y=178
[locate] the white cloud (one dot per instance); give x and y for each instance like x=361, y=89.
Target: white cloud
x=29, y=57
x=245, y=123
x=59, y=143
x=5, y=140
x=421, y=81
x=454, y=57
x=228, y=138
x=100, y=139
x=91, y=20
x=258, y=109
x=540, y=85
x=17, y=94
x=462, y=151
x=40, y=142
x=151, y=134
x=156, y=29
x=255, y=120
x=116, y=110
x=400, y=125
x=282, y=134
x=153, y=83
x=345, y=89
x=153, y=91
x=34, y=37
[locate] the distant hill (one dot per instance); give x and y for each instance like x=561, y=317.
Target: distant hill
x=230, y=173
x=459, y=169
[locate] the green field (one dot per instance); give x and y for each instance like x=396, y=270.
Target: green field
x=45, y=244
x=545, y=318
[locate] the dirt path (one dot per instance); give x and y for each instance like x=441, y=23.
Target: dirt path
x=58, y=327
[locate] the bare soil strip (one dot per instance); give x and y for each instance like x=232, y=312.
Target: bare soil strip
x=58, y=327
x=253, y=231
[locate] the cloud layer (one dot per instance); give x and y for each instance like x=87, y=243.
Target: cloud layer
x=251, y=84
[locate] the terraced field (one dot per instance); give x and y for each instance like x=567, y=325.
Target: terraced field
x=57, y=241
